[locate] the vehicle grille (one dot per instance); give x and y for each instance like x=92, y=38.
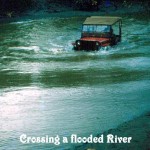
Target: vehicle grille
x=88, y=45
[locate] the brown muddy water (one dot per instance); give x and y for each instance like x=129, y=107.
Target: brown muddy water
x=46, y=88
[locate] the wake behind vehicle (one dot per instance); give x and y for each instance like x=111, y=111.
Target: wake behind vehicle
x=99, y=31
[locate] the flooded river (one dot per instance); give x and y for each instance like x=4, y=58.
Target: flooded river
x=46, y=88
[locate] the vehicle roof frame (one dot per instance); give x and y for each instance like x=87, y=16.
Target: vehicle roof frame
x=102, y=20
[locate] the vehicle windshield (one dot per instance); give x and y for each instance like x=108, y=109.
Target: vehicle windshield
x=96, y=28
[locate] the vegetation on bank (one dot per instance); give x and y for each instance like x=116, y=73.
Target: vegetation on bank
x=11, y=8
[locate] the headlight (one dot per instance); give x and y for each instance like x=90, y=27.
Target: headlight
x=78, y=43
x=97, y=44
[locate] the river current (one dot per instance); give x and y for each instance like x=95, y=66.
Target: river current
x=46, y=88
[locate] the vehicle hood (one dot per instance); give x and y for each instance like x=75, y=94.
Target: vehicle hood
x=101, y=40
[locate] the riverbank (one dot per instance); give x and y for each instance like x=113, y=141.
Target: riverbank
x=138, y=129
x=58, y=11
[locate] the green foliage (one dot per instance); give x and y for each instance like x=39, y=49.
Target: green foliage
x=86, y=4
x=10, y=6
